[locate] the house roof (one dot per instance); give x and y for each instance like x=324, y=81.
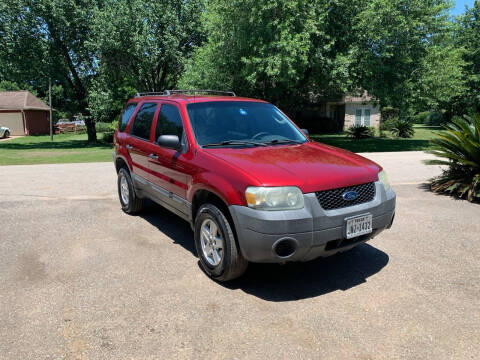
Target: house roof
x=359, y=98
x=21, y=100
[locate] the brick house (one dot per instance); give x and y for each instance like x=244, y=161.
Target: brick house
x=354, y=110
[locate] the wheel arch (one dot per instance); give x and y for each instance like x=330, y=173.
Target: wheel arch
x=120, y=163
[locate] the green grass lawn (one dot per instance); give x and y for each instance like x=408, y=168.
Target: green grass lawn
x=420, y=141
x=64, y=148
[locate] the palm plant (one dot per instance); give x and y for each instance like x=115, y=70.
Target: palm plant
x=358, y=132
x=459, y=148
x=402, y=128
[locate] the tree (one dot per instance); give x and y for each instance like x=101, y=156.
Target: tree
x=141, y=46
x=468, y=36
x=47, y=38
x=280, y=50
x=394, y=41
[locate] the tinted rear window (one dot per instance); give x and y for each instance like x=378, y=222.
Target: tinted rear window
x=143, y=121
x=126, y=115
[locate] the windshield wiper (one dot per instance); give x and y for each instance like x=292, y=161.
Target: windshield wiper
x=284, y=141
x=234, y=142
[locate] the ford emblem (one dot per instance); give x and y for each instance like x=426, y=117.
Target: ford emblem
x=349, y=195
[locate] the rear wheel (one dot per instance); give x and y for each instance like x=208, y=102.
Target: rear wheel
x=131, y=204
x=216, y=245
x=6, y=134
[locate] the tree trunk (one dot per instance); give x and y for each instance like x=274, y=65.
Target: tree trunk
x=91, y=131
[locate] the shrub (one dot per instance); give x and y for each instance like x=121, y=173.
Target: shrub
x=358, y=132
x=388, y=124
x=102, y=127
x=389, y=112
x=402, y=128
x=459, y=148
x=108, y=137
x=429, y=118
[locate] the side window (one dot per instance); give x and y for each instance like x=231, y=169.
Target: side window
x=358, y=117
x=126, y=115
x=143, y=121
x=169, y=122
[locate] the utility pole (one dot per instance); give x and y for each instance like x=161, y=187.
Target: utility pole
x=50, y=103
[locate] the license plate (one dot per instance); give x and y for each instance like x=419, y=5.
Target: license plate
x=359, y=225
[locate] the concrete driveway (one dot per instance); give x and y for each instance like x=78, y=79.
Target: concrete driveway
x=79, y=279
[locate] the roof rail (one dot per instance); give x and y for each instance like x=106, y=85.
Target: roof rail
x=200, y=91
x=152, y=93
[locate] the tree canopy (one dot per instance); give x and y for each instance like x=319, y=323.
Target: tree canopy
x=408, y=53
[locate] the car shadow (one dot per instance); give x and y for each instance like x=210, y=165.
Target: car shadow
x=295, y=281
x=289, y=282
x=170, y=224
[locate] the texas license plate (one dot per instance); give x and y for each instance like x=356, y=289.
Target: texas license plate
x=359, y=225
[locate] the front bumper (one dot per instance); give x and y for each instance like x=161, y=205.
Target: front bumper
x=312, y=231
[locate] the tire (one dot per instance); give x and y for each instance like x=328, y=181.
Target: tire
x=6, y=134
x=232, y=264
x=131, y=204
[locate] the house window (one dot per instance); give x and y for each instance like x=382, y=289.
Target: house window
x=366, y=118
x=358, y=117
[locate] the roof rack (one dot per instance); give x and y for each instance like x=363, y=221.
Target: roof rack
x=194, y=92
x=152, y=93
x=200, y=91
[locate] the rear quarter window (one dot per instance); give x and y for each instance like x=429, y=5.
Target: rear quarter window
x=126, y=115
x=142, y=123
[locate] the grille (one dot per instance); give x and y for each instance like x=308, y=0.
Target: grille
x=332, y=199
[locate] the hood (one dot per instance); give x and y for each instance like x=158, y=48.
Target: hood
x=310, y=166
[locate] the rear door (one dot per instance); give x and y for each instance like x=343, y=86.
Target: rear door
x=140, y=140
x=169, y=166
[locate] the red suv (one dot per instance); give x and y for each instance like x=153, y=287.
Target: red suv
x=250, y=183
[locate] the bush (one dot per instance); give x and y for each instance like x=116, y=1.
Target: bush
x=459, y=148
x=108, y=137
x=389, y=112
x=429, y=118
x=102, y=127
x=388, y=124
x=358, y=132
x=402, y=129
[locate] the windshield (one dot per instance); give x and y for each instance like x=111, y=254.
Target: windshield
x=241, y=123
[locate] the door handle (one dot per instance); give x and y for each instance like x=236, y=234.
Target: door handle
x=129, y=147
x=153, y=156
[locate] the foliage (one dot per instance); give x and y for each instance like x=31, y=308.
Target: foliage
x=278, y=50
x=108, y=137
x=459, y=149
x=402, y=128
x=388, y=124
x=358, y=132
x=468, y=38
x=46, y=38
x=140, y=46
x=441, y=79
x=102, y=127
x=394, y=37
x=429, y=118
x=389, y=112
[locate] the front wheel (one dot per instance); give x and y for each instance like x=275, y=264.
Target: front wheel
x=216, y=246
x=131, y=204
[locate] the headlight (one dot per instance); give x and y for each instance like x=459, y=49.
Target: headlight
x=383, y=178
x=274, y=198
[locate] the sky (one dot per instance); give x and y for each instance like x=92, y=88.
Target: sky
x=459, y=7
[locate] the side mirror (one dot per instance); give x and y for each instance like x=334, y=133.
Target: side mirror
x=305, y=131
x=169, y=142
